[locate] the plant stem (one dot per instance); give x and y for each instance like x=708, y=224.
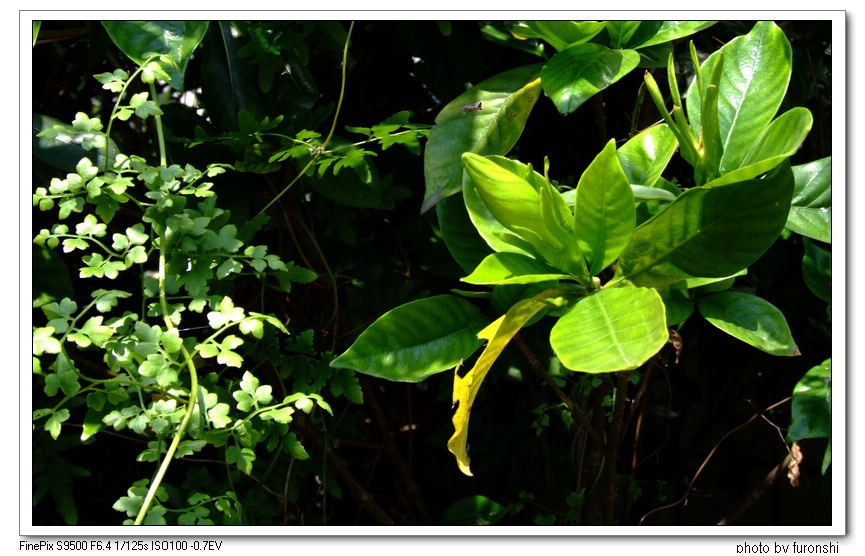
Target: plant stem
x=614, y=445
x=193, y=391
x=319, y=151
x=539, y=369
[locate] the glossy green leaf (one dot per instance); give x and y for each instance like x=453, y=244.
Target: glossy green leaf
x=782, y=138
x=811, y=408
x=751, y=319
x=709, y=232
x=526, y=205
x=676, y=305
x=512, y=268
x=229, y=83
x=577, y=73
x=508, y=34
x=511, y=200
x=611, y=330
x=491, y=127
x=642, y=34
x=645, y=156
x=561, y=34
x=498, y=236
x=779, y=141
x=643, y=193
x=668, y=31
x=755, y=73
x=817, y=270
x=624, y=34
x=466, y=387
x=177, y=39
x=604, y=212
x=416, y=340
x=811, y=210
x=63, y=147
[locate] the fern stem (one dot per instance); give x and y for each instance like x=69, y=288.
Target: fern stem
x=193, y=391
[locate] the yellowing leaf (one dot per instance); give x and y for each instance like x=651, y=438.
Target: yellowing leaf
x=499, y=333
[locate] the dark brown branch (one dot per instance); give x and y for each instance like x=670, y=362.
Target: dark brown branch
x=536, y=366
x=595, y=457
x=614, y=445
x=759, y=490
x=684, y=498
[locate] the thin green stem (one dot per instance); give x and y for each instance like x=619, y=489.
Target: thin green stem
x=193, y=390
x=160, y=136
x=323, y=146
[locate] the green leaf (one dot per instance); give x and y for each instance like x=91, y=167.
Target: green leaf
x=751, y=319
x=677, y=305
x=781, y=138
x=55, y=423
x=345, y=383
x=817, y=270
x=755, y=73
x=229, y=83
x=512, y=268
x=62, y=146
x=242, y=457
x=486, y=221
x=645, y=156
x=535, y=218
x=225, y=239
x=44, y=341
x=293, y=446
x=561, y=34
x=709, y=232
x=177, y=39
x=811, y=210
x=280, y=415
x=605, y=216
x=506, y=101
x=218, y=415
x=611, y=330
x=575, y=74
x=811, y=409
x=416, y=340
x=642, y=34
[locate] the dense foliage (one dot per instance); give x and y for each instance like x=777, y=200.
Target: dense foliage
x=278, y=265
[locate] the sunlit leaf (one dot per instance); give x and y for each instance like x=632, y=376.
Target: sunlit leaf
x=177, y=39
x=709, y=232
x=492, y=127
x=811, y=410
x=811, y=210
x=604, y=212
x=611, y=330
x=577, y=73
x=755, y=74
x=416, y=340
x=751, y=319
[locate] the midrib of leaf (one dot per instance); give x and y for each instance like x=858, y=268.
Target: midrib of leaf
x=612, y=331
x=756, y=55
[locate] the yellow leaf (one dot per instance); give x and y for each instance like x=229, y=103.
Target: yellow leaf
x=499, y=333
